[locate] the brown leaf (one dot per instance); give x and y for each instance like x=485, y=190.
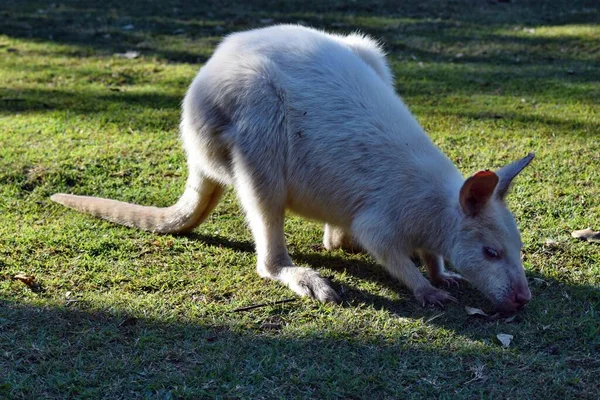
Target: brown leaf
x=587, y=234
x=28, y=280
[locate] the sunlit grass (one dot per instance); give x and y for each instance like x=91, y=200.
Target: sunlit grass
x=129, y=314
x=587, y=32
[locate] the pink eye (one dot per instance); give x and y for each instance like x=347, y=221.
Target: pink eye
x=491, y=252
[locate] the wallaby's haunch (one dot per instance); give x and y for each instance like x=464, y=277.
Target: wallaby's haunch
x=299, y=119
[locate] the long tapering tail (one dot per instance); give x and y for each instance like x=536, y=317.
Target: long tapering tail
x=191, y=209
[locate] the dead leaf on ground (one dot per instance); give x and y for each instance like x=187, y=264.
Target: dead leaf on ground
x=510, y=319
x=587, y=234
x=28, y=280
x=505, y=339
x=130, y=55
x=476, y=312
x=477, y=374
x=479, y=313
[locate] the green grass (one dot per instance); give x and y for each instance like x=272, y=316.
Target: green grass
x=121, y=313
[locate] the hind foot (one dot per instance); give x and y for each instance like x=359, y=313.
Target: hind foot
x=336, y=238
x=305, y=282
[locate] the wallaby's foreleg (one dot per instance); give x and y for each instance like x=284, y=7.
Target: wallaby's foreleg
x=398, y=263
x=402, y=268
x=438, y=275
x=337, y=238
x=264, y=203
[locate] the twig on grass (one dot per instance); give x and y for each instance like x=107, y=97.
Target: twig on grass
x=264, y=305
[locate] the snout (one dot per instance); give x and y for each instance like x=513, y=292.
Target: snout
x=515, y=300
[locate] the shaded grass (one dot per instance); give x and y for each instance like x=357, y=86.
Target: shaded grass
x=256, y=362
x=128, y=314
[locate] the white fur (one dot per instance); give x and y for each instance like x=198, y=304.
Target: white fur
x=300, y=119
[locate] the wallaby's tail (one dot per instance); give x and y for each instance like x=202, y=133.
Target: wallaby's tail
x=191, y=209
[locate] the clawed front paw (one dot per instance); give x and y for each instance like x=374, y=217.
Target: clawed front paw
x=447, y=279
x=433, y=296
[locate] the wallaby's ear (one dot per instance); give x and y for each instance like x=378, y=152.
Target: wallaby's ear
x=507, y=174
x=477, y=190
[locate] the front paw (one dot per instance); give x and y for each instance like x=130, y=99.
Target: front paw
x=447, y=279
x=433, y=296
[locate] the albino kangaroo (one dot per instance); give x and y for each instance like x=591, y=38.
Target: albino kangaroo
x=299, y=119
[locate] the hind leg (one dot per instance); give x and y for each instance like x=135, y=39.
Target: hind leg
x=202, y=196
x=337, y=238
x=263, y=199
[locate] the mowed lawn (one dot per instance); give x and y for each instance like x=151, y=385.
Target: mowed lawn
x=120, y=313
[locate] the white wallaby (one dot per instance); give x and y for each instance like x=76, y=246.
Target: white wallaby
x=295, y=118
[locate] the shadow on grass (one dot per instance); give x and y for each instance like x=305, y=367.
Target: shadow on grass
x=556, y=69
x=162, y=27
x=68, y=350
x=358, y=269
x=61, y=351
x=221, y=241
x=82, y=102
x=127, y=109
x=406, y=305
x=554, y=126
x=58, y=351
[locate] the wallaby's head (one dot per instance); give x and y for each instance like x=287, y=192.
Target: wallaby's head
x=487, y=250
